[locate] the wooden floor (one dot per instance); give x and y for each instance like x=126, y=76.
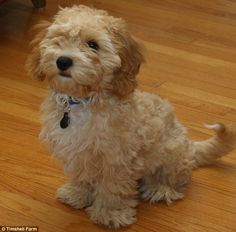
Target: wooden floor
x=191, y=46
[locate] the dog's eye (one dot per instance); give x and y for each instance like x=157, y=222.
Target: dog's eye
x=93, y=45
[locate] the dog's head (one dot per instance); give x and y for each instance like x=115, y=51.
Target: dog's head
x=85, y=51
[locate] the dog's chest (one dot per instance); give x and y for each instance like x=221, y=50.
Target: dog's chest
x=67, y=142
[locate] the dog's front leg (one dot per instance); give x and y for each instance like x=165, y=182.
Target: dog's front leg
x=76, y=194
x=114, y=200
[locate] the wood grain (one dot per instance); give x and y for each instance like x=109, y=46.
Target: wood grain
x=191, y=60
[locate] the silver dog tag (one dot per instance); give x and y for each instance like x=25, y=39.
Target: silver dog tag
x=65, y=121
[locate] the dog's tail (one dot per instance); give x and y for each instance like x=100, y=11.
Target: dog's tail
x=207, y=151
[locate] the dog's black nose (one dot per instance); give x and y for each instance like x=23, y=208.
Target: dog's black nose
x=64, y=62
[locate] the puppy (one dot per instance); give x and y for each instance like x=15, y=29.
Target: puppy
x=115, y=141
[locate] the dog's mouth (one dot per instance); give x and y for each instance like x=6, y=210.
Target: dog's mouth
x=65, y=74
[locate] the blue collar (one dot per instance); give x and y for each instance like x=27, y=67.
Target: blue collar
x=74, y=101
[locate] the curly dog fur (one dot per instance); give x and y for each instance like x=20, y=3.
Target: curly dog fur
x=120, y=141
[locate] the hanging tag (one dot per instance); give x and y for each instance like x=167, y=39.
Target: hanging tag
x=65, y=121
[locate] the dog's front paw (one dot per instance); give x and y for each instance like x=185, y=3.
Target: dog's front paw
x=112, y=218
x=77, y=195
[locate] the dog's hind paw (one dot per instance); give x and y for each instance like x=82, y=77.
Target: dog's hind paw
x=160, y=193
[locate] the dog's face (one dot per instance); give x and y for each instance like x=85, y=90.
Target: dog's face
x=85, y=51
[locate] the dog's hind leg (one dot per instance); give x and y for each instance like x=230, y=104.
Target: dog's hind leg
x=167, y=183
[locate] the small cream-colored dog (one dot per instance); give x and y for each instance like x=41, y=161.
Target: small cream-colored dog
x=115, y=140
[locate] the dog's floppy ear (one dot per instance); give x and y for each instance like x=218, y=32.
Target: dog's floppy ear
x=33, y=61
x=131, y=54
